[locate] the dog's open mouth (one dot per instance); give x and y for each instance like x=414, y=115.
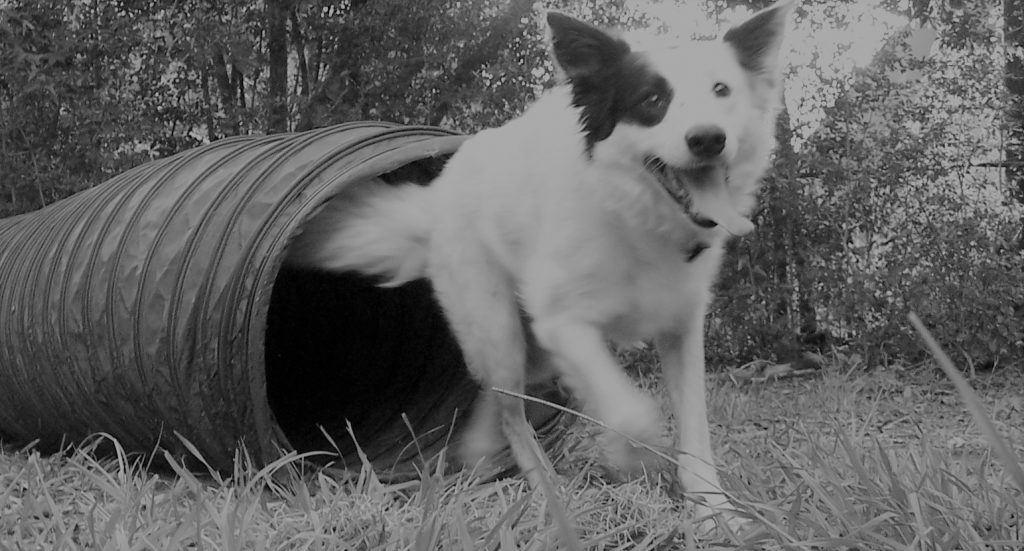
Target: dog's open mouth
x=672, y=180
x=702, y=192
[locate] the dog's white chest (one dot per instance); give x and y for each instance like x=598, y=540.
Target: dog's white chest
x=659, y=298
x=627, y=281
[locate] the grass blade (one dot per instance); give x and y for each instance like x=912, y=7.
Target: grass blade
x=974, y=404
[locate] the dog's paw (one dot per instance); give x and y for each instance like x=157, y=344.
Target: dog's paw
x=637, y=417
x=627, y=460
x=627, y=448
x=478, y=446
x=721, y=520
x=711, y=510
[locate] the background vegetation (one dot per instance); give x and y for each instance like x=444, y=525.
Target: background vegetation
x=898, y=184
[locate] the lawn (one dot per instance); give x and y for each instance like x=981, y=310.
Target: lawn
x=845, y=458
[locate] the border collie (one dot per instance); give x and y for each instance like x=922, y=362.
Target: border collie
x=599, y=214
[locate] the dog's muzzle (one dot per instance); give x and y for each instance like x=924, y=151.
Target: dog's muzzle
x=672, y=180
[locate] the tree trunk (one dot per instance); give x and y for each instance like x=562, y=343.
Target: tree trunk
x=787, y=173
x=299, y=43
x=1013, y=148
x=227, y=88
x=211, y=133
x=778, y=198
x=239, y=79
x=320, y=79
x=277, y=58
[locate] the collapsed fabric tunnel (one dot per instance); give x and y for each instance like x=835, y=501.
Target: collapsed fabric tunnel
x=157, y=304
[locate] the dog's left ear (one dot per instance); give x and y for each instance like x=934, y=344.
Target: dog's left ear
x=757, y=40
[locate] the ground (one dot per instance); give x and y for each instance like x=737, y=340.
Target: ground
x=845, y=458
x=896, y=406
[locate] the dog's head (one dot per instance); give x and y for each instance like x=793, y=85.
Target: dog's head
x=699, y=117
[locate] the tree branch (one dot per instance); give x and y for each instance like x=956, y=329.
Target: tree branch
x=500, y=33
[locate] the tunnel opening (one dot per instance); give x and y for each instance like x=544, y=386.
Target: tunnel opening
x=342, y=351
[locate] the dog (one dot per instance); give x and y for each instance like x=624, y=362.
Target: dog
x=599, y=214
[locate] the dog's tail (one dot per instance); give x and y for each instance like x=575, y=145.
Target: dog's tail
x=373, y=228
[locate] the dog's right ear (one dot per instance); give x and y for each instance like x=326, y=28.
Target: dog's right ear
x=580, y=49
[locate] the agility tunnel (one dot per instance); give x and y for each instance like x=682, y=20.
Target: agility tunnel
x=157, y=304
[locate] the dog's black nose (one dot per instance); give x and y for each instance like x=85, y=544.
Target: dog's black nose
x=706, y=141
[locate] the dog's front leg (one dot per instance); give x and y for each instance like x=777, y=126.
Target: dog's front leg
x=682, y=359
x=588, y=367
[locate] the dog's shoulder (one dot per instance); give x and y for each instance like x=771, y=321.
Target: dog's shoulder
x=535, y=153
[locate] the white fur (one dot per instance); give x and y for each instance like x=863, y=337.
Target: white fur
x=591, y=247
x=378, y=230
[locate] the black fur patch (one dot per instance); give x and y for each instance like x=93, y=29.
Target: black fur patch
x=610, y=83
x=625, y=91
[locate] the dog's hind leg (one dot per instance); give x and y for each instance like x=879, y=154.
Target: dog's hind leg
x=483, y=312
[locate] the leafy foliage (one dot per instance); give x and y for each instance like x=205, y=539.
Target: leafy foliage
x=882, y=211
x=876, y=207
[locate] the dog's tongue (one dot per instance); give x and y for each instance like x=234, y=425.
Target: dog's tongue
x=715, y=204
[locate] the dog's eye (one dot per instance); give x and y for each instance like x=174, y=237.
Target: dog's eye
x=721, y=89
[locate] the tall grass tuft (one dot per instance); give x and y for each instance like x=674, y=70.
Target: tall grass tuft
x=802, y=460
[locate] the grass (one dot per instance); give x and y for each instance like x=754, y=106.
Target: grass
x=886, y=459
